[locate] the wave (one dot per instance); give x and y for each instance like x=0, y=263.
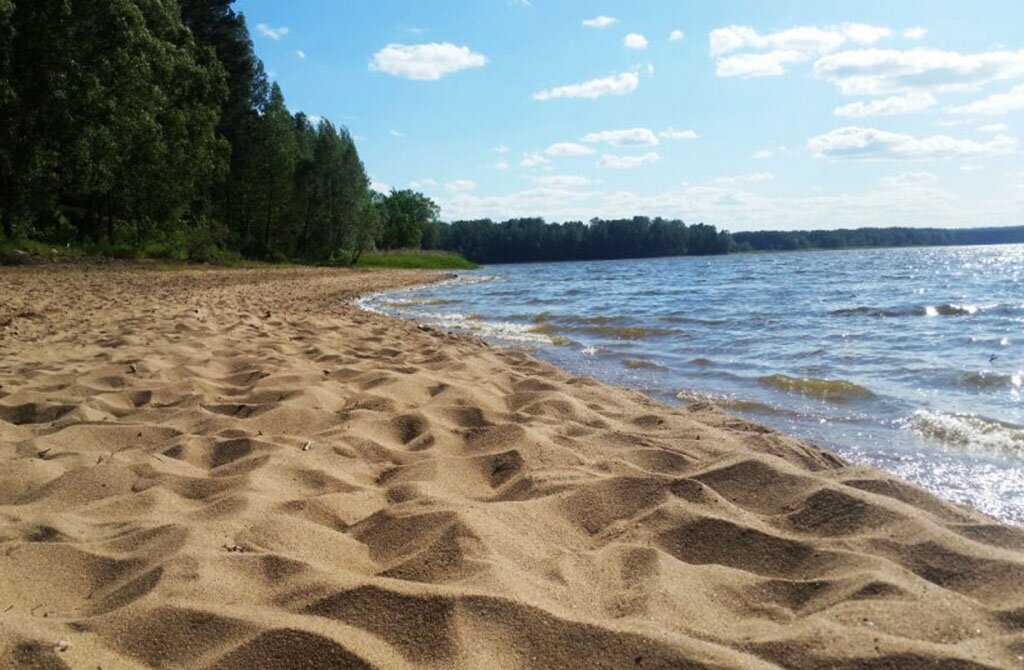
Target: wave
x=991, y=379
x=944, y=309
x=968, y=431
x=830, y=390
x=641, y=364
x=735, y=404
x=545, y=327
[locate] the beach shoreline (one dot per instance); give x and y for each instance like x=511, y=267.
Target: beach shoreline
x=242, y=468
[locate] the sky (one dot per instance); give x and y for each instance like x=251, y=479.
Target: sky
x=744, y=115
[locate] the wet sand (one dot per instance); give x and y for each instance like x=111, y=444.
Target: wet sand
x=241, y=469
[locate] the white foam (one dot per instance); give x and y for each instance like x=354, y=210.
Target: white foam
x=967, y=431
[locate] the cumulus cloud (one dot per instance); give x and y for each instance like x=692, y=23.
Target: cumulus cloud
x=914, y=101
x=425, y=62
x=881, y=71
x=460, y=186
x=561, y=180
x=996, y=104
x=532, y=160
x=634, y=41
x=770, y=54
x=626, y=137
x=379, y=186
x=872, y=144
x=614, y=162
x=763, y=154
x=994, y=128
x=674, y=134
x=908, y=179
x=915, y=33
x=675, y=35
x=396, y=133
x=426, y=182
x=271, y=32
x=301, y=54
x=600, y=22
x=615, y=84
x=568, y=149
x=754, y=177
x=501, y=165
x=500, y=149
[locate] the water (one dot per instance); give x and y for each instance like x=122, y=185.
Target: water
x=911, y=360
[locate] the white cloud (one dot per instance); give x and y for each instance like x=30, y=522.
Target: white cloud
x=396, y=133
x=770, y=64
x=754, y=177
x=501, y=165
x=500, y=149
x=634, y=41
x=568, y=149
x=763, y=154
x=532, y=160
x=996, y=104
x=914, y=101
x=908, y=179
x=426, y=182
x=615, y=84
x=460, y=186
x=769, y=54
x=600, y=22
x=970, y=168
x=811, y=39
x=627, y=137
x=561, y=180
x=880, y=71
x=425, y=62
x=915, y=33
x=379, y=186
x=675, y=35
x=872, y=144
x=314, y=119
x=271, y=32
x=994, y=128
x=301, y=54
x=626, y=162
x=673, y=134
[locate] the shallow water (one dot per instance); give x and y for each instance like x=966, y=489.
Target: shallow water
x=911, y=360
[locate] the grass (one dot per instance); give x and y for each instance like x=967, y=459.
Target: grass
x=414, y=258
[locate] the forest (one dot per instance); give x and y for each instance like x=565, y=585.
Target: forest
x=773, y=240
x=151, y=126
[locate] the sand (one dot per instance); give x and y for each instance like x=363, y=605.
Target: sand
x=241, y=469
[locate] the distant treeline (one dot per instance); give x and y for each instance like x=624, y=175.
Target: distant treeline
x=150, y=125
x=532, y=240
x=773, y=240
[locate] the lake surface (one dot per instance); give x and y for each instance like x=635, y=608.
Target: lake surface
x=911, y=360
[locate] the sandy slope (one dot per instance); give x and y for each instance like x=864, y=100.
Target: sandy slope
x=238, y=470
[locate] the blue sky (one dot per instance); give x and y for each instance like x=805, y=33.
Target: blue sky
x=745, y=115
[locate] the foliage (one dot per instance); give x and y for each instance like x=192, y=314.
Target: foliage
x=531, y=240
x=774, y=240
x=148, y=127
x=414, y=258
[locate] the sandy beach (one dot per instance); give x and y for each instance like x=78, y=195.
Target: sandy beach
x=241, y=469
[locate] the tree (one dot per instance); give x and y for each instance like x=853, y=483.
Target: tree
x=407, y=214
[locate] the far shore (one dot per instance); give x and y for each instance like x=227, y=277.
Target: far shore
x=240, y=468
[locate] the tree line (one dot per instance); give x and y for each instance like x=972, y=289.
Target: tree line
x=151, y=124
x=774, y=240
x=532, y=239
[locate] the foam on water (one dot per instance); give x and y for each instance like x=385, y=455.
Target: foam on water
x=965, y=431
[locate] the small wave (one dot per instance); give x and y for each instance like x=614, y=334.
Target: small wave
x=831, y=390
x=473, y=323
x=641, y=364
x=702, y=362
x=968, y=431
x=736, y=404
x=419, y=302
x=946, y=309
x=989, y=379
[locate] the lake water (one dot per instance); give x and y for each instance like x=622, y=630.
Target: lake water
x=911, y=360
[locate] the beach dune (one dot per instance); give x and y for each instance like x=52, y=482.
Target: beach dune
x=241, y=469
